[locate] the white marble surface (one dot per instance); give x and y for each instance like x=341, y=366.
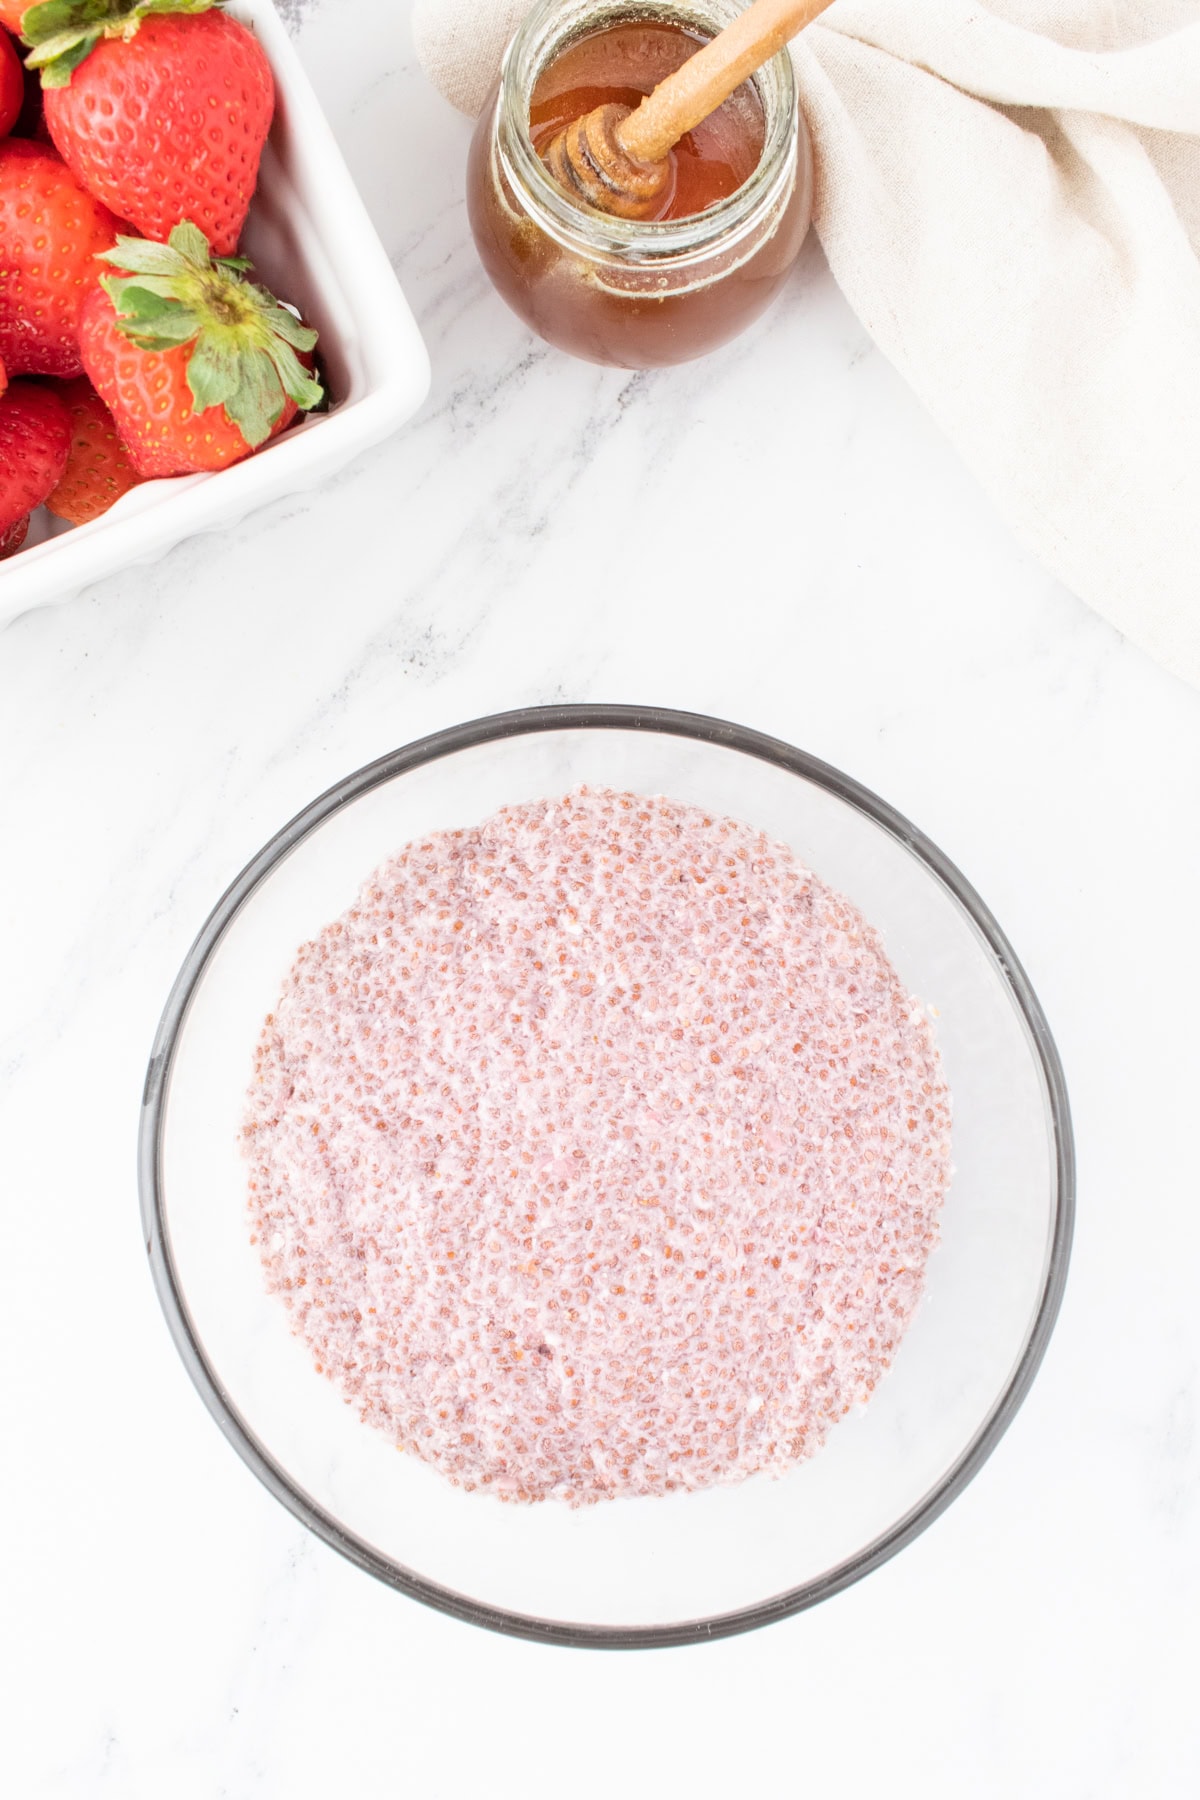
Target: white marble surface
x=167, y=1629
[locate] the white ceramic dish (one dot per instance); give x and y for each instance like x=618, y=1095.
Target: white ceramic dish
x=313, y=244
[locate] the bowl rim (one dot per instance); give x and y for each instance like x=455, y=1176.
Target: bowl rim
x=592, y=717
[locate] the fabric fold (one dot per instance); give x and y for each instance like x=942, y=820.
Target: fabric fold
x=1009, y=197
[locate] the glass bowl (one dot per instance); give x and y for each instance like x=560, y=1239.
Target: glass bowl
x=629, y=1572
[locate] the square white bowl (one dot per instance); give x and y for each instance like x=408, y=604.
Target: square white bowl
x=312, y=244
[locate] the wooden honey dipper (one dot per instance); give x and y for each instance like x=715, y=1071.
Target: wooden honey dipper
x=618, y=159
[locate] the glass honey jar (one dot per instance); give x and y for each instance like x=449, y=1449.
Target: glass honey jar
x=632, y=293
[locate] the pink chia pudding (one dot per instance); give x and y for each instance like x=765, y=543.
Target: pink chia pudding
x=598, y=1150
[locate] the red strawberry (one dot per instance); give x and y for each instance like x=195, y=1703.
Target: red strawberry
x=11, y=12
x=50, y=234
x=162, y=116
x=3, y=378
x=12, y=86
x=98, y=468
x=13, y=536
x=197, y=365
x=35, y=436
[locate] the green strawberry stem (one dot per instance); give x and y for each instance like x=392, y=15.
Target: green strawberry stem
x=243, y=341
x=61, y=33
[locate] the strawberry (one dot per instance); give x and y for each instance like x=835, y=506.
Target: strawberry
x=12, y=86
x=98, y=468
x=35, y=436
x=3, y=378
x=13, y=536
x=197, y=365
x=11, y=13
x=161, y=108
x=50, y=234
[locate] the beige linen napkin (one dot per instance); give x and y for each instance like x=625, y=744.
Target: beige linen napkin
x=1009, y=197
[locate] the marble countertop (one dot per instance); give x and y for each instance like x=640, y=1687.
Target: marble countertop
x=806, y=556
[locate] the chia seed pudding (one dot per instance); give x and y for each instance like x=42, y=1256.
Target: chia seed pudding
x=598, y=1150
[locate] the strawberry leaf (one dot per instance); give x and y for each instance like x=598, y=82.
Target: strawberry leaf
x=213, y=374
x=59, y=60
x=296, y=381
x=187, y=240
x=257, y=401
x=287, y=326
x=61, y=33
x=244, y=342
x=149, y=320
x=161, y=287
x=52, y=19
x=167, y=333
x=140, y=256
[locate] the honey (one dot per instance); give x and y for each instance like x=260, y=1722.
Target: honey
x=623, y=64
x=633, y=293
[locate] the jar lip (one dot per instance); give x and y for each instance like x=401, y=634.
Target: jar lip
x=543, y=34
